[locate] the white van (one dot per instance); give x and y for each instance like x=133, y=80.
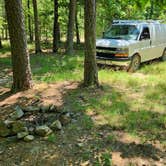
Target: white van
x=129, y=43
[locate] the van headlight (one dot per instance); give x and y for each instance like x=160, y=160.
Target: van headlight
x=122, y=52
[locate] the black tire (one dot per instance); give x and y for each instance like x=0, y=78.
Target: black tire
x=135, y=63
x=163, y=58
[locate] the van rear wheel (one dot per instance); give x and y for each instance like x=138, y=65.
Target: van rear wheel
x=135, y=63
x=163, y=58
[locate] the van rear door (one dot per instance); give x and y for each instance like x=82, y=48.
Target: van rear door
x=158, y=39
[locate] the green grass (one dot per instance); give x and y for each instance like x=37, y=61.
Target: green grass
x=56, y=67
x=134, y=102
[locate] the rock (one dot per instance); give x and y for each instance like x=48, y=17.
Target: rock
x=8, y=123
x=4, y=131
x=45, y=108
x=29, y=138
x=56, y=125
x=86, y=163
x=65, y=119
x=52, y=108
x=22, y=134
x=31, y=130
x=18, y=126
x=80, y=145
x=2, y=151
x=17, y=114
x=43, y=130
x=12, y=139
x=31, y=109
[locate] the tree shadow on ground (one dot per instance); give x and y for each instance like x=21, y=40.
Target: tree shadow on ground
x=129, y=149
x=84, y=139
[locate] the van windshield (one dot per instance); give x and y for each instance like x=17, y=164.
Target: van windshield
x=125, y=32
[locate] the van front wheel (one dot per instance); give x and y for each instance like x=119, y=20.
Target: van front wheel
x=163, y=58
x=135, y=63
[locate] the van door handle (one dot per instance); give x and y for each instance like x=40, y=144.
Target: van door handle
x=150, y=42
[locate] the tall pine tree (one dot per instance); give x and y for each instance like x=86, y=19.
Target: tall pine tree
x=90, y=66
x=22, y=79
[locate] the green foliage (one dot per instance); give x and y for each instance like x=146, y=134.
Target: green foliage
x=105, y=160
x=56, y=68
x=86, y=122
x=3, y=22
x=107, y=10
x=52, y=138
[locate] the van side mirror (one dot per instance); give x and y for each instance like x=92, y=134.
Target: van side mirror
x=145, y=37
x=142, y=37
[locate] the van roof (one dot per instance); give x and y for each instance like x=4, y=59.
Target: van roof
x=136, y=21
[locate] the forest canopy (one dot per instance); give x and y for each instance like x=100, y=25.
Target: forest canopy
x=107, y=10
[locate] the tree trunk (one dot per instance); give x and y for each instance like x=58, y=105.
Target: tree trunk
x=1, y=43
x=29, y=22
x=90, y=67
x=20, y=57
x=77, y=28
x=70, y=30
x=56, y=34
x=59, y=33
x=3, y=33
x=151, y=9
x=6, y=32
x=37, y=36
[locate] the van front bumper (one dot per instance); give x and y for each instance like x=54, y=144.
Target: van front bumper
x=114, y=61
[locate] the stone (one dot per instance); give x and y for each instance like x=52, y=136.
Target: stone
x=65, y=118
x=12, y=138
x=43, y=130
x=31, y=130
x=29, y=138
x=4, y=131
x=52, y=108
x=17, y=114
x=45, y=108
x=8, y=123
x=56, y=125
x=31, y=109
x=22, y=134
x=80, y=145
x=18, y=126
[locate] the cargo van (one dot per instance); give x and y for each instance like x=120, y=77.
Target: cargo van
x=131, y=42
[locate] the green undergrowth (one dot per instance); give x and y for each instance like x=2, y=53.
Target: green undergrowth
x=57, y=67
x=109, y=107
x=132, y=102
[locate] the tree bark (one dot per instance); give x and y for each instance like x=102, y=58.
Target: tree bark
x=56, y=32
x=77, y=27
x=151, y=9
x=70, y=30
x=36, y=20
x=22, y=79
x=3, y=33
x=6, y=32
x=90, y=67
x=29, y=22
x=1, y=43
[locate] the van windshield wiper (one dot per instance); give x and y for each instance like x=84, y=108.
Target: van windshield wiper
x=116, y=37
x=113, y=37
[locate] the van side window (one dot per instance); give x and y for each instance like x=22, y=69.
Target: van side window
x=145, y=34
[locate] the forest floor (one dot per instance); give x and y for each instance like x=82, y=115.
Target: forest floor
x=123, y=123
